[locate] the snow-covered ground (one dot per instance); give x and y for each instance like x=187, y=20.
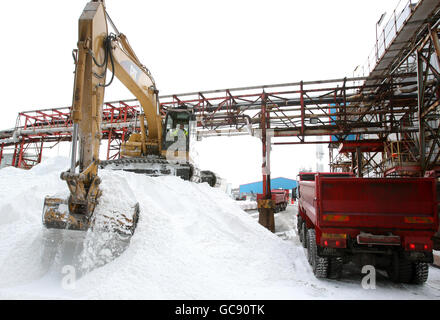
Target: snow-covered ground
x=247, y=205
x=192, y=242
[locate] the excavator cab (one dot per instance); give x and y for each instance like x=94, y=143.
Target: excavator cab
x=176, y=133
x=174, y=156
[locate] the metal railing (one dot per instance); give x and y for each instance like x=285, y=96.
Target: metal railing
x=398, y=155
x=395, y=23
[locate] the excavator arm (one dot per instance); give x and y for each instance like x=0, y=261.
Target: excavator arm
x=136, y=77
x=98, y=51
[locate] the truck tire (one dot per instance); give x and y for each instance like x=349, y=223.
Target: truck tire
x=401, y=270
x=319, y=264
x=335, y=267
x=420, y=272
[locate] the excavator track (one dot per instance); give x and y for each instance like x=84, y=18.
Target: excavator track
x=158, y=166
x=151, y=166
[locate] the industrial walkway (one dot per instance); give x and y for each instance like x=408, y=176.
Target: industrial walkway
x=398, y=37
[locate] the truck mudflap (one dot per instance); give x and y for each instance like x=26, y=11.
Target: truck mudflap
x=436, y=241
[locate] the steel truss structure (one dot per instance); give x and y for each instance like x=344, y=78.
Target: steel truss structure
x=405, y=153
x=39, y=129
x=297, y=113
x=395, y=106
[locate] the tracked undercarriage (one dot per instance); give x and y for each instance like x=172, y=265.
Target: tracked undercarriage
x=159, y=166
x=151, y=166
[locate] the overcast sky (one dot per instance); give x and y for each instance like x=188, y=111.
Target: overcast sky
x=193, y=45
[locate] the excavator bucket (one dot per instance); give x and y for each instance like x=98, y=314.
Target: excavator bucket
x=56, y=215
x=98, y=240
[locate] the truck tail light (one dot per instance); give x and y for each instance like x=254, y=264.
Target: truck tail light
x=418, y=246
x=336, y=217
x=331, y=243
x=419, y=220
x=334, y=240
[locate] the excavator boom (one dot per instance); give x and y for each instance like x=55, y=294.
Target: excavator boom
x=93, y=57
x=158, y=148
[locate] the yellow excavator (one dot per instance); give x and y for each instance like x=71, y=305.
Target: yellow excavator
x=160, y=148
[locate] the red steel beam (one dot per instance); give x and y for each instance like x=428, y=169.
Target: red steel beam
x=364, y=145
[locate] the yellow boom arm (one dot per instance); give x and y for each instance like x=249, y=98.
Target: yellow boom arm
x=98, y=52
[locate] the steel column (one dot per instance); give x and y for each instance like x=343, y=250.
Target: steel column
x=265, y=205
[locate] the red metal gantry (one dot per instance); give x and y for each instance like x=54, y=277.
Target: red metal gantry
x=297, y=111
x=37, y=129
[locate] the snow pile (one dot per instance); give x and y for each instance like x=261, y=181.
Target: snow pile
x=116, y=204
x=192, y=242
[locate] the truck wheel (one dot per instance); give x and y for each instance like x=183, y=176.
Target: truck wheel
x=335, y=267
x=319, y=264
x=420, y=272
x=401, y=270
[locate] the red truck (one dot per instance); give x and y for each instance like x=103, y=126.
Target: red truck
x=280, y=197
x=385, y=222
